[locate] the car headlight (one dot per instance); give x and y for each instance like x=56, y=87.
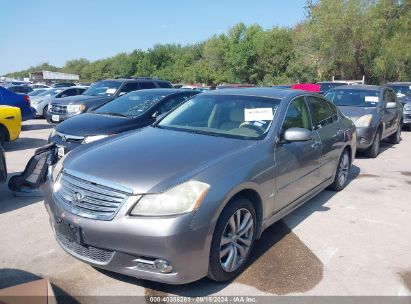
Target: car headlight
x=52, y=134
x=183, y=198
x=75, y=109
x=90, y=139
x=55, y=171
x=363, y=121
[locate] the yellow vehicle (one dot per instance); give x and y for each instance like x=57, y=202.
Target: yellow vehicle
x=10, y=123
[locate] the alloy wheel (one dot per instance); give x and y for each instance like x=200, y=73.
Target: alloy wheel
x=236, y=240
x=343, y=169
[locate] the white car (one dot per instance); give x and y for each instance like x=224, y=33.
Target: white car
x=41, y=101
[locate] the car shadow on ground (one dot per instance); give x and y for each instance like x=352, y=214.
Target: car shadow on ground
x=9, y=202
x=24, y=143
x=29, y=127
x=12, y=277
x=280, y=262
x=384, y=146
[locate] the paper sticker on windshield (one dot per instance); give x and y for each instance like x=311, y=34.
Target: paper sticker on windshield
x=258, y=114
x=110, y=91
x=371, y=98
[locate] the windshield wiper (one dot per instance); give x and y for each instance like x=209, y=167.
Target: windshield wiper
x=112, y=114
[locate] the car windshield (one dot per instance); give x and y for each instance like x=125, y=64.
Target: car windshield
x=51, y=92
x=403, y=90
x=103, y=88
x=131, y=104
x=326, y=86
x=355, y=98
x=243, y=117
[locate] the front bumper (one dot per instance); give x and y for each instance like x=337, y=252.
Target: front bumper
x=61, y=117
x=407, y=118
x=39, y=109
x=119, y=245
x=365, y=138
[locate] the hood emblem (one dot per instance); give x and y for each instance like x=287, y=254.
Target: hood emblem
x=64, y=138
x=78, y=197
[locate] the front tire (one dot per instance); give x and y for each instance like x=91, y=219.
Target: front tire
x=233, y=240
x=45, y=112
x=374, y=150
x=396, y=137
x=341, y=174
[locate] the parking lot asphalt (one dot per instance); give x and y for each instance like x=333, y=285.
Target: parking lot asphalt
x=355, y=242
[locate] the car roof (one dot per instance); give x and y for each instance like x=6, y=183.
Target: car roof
x=134, y=80
x=260, y=92
x=398, y=83
x=167, y=91
x=359, y=87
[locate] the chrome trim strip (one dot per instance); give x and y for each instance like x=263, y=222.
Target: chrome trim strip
x=69, y=137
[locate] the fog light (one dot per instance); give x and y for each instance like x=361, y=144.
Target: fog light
x=163, y=266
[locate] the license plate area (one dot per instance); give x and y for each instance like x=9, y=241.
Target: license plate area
x=60, y=151
x=55, y=118
x=72, y=232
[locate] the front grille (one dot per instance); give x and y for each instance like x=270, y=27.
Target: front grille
x=58, y=109
x=93, y=254
x=88, y=199
x=70, y=138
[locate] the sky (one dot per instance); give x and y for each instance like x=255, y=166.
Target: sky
x=37, y=31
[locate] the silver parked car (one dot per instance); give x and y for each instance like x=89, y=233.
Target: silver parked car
x=42, y=100
x=187, y=197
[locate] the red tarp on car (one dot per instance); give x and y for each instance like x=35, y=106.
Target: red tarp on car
x=311, y=87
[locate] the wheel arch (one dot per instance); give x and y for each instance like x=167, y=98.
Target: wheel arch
x=254, y=197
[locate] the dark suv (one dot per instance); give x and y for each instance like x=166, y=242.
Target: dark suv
x=98, y=94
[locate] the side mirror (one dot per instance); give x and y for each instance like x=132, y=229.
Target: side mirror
x=3, y=168
x=391, y=105
x=297, y=134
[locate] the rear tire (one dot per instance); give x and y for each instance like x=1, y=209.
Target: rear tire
x=396, y=137
x=341, y=174
x=233, y=240
x=374, y=150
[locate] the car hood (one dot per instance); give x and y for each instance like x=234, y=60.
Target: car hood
x=151, y=160
x=82, y=99
x=356, y=112
x=94, y=124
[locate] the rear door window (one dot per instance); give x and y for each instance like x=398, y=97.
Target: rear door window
x=321, y=112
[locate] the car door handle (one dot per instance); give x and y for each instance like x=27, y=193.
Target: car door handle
x=9, y=117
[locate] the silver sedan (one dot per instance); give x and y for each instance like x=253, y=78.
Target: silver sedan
x=187, y=197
